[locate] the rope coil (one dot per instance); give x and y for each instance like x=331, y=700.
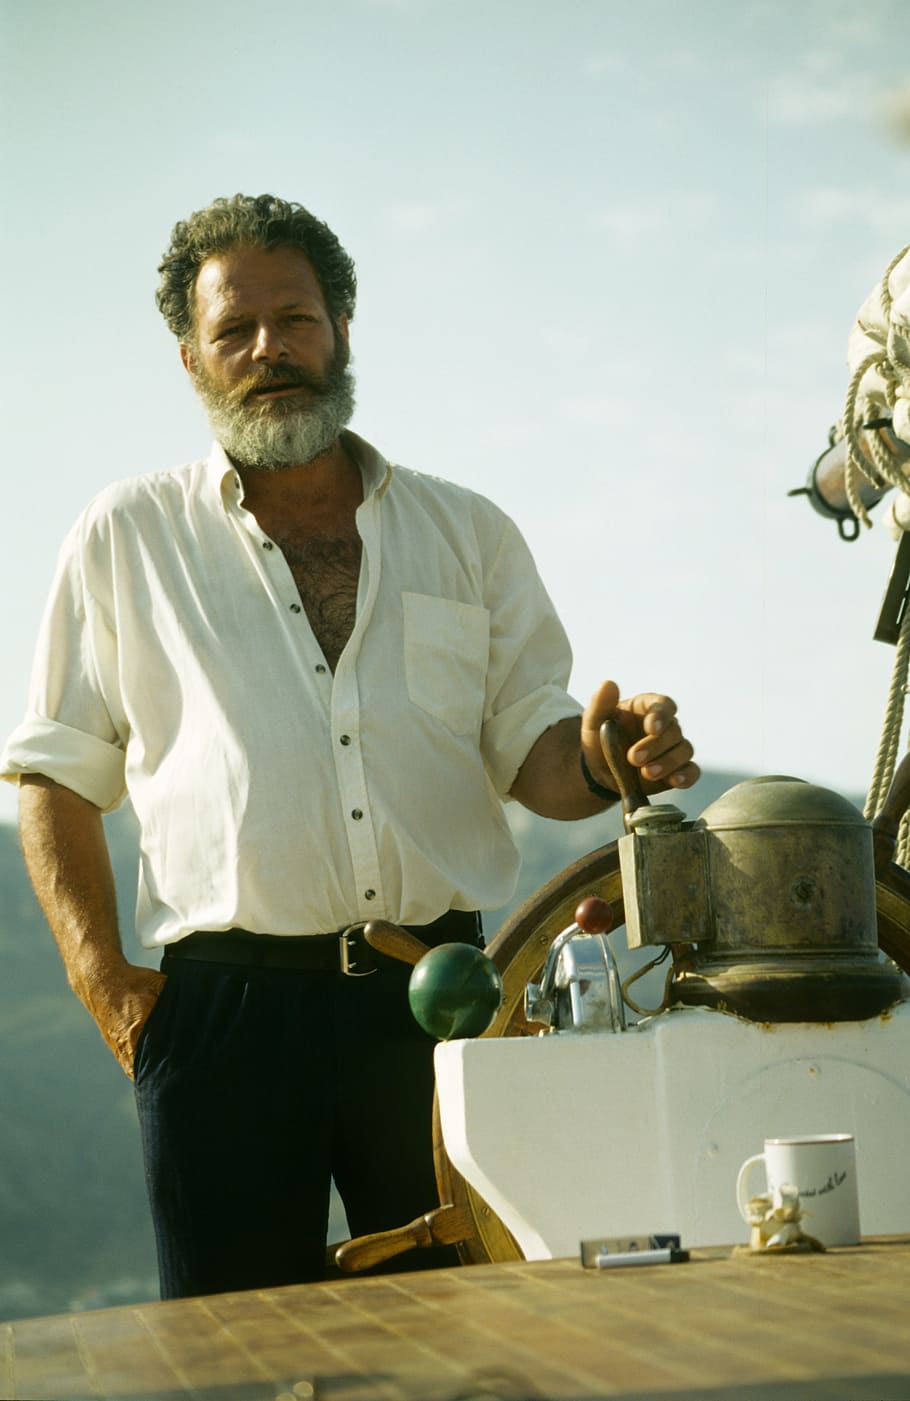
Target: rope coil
x=867, y=455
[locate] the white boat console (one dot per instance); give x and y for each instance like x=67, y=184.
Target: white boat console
x=783, y=1020
x=569, y=1137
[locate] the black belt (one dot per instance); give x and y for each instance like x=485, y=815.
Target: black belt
x=346, y=952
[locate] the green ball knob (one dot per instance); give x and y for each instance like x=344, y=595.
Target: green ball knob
x=454, y=991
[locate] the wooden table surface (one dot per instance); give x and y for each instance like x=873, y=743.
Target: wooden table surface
x=811, y=1327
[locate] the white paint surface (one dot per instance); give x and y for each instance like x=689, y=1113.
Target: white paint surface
x=569, y=1137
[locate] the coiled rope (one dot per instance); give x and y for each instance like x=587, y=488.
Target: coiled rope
x=892, y=362
x=868, y=456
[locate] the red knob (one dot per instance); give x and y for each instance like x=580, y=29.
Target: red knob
x=594, y=915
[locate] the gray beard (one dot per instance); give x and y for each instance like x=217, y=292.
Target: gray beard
x=274, y=436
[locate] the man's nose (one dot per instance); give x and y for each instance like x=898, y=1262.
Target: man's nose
x=269, y=343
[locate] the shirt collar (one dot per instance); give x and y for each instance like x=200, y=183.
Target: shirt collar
x=375, y=470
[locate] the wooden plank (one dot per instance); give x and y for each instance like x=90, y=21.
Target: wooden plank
x=783, y=1328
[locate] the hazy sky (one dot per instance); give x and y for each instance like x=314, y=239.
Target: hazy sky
x=609, y=254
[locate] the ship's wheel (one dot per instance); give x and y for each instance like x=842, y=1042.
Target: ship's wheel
x=518, y=950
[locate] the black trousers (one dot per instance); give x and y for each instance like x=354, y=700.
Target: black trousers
x=256, y=1086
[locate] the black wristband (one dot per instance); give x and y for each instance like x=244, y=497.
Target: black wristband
x=606, y=794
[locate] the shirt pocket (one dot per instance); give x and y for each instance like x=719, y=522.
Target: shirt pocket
x=446, y=646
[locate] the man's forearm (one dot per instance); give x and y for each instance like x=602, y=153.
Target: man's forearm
x=70, y=868
x=550, y=780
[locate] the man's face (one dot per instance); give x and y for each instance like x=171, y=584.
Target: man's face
x=266, y=359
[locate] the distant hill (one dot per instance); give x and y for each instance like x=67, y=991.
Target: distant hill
x=73, y=1215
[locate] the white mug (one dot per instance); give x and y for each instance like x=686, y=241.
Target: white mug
x=822, y=1168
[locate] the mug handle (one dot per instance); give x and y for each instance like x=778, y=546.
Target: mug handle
x=742, y=1196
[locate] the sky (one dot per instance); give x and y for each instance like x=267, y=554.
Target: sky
x=608, y=253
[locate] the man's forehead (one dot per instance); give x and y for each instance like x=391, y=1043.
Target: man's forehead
x=248, y=277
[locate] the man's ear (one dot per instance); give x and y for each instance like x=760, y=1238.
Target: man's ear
x=343, y=325
x=186, y=356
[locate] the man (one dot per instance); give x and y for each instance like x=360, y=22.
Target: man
x=317, y=678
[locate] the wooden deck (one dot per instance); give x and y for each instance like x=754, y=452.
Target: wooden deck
x=813, y=1327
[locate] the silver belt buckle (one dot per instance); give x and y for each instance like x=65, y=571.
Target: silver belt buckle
x=349, y=953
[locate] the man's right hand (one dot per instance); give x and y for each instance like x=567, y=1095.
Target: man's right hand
x=121, y=1006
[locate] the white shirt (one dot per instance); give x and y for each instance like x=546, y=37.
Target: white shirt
x=176, y=664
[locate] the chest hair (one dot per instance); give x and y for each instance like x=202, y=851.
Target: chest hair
x=326, y=571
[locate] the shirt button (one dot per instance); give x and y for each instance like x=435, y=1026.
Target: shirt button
x=357, y=814
x=369, y=895
x=345, y=739
x=295, y=607
x=320, y=668
x=267, y=545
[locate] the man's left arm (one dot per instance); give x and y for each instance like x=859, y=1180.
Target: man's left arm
x=551, y=780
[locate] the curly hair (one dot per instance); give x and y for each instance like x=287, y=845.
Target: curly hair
x=260, y=221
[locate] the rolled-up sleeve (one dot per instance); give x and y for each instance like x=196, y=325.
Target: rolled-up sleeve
x=529, y=664
x=69, y=733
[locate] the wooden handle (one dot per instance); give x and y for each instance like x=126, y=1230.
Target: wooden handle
x=447, y=1225
x=625, y=776
x=886, y=824
x=394, y=941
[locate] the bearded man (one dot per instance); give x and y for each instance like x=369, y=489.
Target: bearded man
x=317, y=678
